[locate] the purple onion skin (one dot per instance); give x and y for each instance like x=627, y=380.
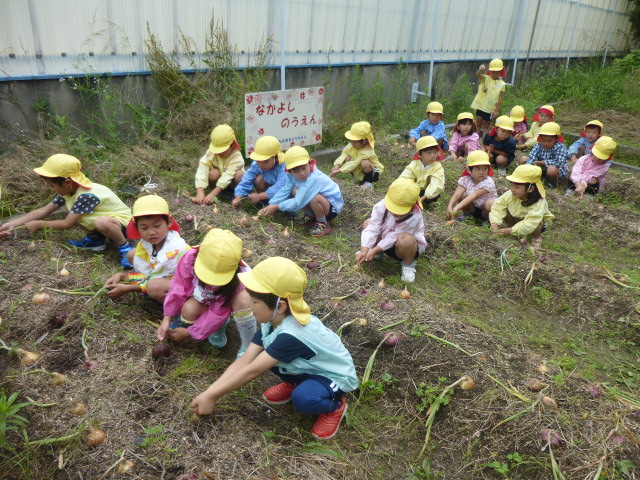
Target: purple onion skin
x=57, y=319
x=90, y=365
x=595, y=390
x=387, y=306
x=392, y=339
x=161, y=350
x=312, y=265
x=554, y=437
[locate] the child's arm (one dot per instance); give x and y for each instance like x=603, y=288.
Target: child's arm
x=118, y=289
x=202, y=176
x=69, y=222
x=499, y=211
x=480, y=72
x=454, y=201
x=281, y=196
x=416, y=133
x=250, y=366
x=469, y=198
x=245, y=187
x=233, y=163
x=496, y=111
x=436, y=183
x=34, y=215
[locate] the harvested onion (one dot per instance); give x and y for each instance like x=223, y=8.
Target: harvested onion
x=57, y=319
x=467, y=383
x=216, y=210
x=392, y=339
x=189, y=218
x=96, y=437
x=387, y=306
x=246, y=253
x=554, y=437
x=63, y=272
x=161, y=350
x=535, y=385
x=550, y=403
x=41, y=297
x=286, y=232
x=382, y=284
x=27, y=358
x=542, y=368
x=312, y=265
x=59, y=379
x=360, y=322
x=125, y=466
x=79, y=409
x=244, y=222
x=405, y=293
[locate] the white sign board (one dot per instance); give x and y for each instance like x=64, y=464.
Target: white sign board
x=292, y=116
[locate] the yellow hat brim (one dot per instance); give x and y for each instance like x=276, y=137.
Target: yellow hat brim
x=78, y=177
x=516, y=179
x=599, y=153
x=395, y=208
x=215, y=149
x=204, y=273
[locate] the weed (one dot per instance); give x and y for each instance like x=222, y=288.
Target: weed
x=10, y=420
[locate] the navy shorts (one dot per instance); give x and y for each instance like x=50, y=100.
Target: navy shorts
x=391, y=252
x=484, y=115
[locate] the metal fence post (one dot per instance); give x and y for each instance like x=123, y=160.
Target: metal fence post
x=283, y=43
x=523, y=10
x=533, y=31
x=614, y=12
x=573, y=34
x=434, y=38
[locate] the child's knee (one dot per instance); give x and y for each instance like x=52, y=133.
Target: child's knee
x=365, y=224
x=406, y=240
x=241, y=301
x=523, y=159
x=130, y=254
x=214, y=174
x=237, y=178
x=157, y=288
x=366, y=166
x=260, y=183
x=502, y=161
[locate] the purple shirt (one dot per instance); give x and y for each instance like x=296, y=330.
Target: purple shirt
x=384, y=228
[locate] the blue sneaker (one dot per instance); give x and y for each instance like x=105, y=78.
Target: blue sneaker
x=179, y=323
x=94, y=241
x=124, y=249
x=219, y=338
x=240, y=352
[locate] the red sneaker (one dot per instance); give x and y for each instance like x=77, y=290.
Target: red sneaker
x=279, y=394
x=328, y=424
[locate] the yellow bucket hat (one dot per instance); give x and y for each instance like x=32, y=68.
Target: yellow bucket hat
x=478, y=157
x=283, y=278
x=296, y=156
x=150, y=205
x=267, y=147
x=219, y=257
x=550, y=128
x=496, y=65
x=604, y=148
x=426, y=142
x=595, y=123
x=62, y=165
x=435, y=107
x=505, y=122
x=361, y=131
x=529, y=174
x=402, y=195
x=221, y=138
x=465, y=116
x=517, y=113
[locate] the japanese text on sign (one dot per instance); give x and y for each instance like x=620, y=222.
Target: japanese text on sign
x=292, y=116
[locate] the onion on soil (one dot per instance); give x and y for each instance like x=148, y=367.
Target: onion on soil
x=59, y=379
x=125, y=467
x=312, y=265
x=382, y=284
x=96, y=437
x=391, y=339
x=467, y=383
x=405, y=293
x=387, y=306
x=189, y=218
x=63, y=272
x=550, y=403
x=58, y=319
x=244, y=222
x=161, y=350
x=542, y=368
x=79, y=409
x=41, y=297
x=554, y=437
x=595, y=390
x=535, y=385
x=27, y=358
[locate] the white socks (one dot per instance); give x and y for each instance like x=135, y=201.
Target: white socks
x=246, y=323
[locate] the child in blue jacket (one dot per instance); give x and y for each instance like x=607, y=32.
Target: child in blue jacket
x=433, y=126
x=266, y=174
x=306, y=187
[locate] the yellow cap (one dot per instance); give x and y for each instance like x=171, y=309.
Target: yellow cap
x=62, y=165
x=548, y=107
x=296, y=156
x=426, y=142
x=477, y=158
x=267, y=147
x=402, y=195
x=221, y=138
x=517, y=113
x=529, y=174
x=361, y=131
x=435, y=107
x=283, y=278
x=604, y=147
x=465, y=116
x=150, y=205
x=550, y=128
x=505, y=122
x=496, y=65
x=219, y=257
x=595, y=123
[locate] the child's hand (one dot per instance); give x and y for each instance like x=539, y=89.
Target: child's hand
x=412, y=141
x=371, y=253
x=255, y=198
x=503, y=232
x=35, y=225
x=269, y=211
x=482, y=67
x=179, y=334
x=453, y=155
x=574, y=158
x=116, y=278
x=203, y=405
x=199, y=197
x=163, y=329
x=236, y=201
x=494, y=228
x=117, y=290
x=209, y=199
x=361, y=256
x=335, y=171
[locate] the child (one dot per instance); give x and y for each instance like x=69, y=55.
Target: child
x=266, y=174
x=465, y=138
x=91, y=205
x=544, y=115
x=523, y=208
x=396, y=228
x=359, y=158
x=476, y=190
x=157, y=255
x=221, y=166
x=488, y=100
x=500, y=144
x=433, y=126
x=589, y=172
x=591, y=132
x=205, y=292
x=551, y=152
x=315, y=367
x=520, y=125
x=306, y=187
x=425, y=171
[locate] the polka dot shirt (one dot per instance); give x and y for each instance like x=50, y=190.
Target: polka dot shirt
x=85, y=203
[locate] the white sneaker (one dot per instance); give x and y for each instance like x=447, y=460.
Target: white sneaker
x=502, y=171
x=408, y=273
x=568, y=193
x=368, y=185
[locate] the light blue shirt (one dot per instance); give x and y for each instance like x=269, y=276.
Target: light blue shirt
x=578, y=144
x=274, y=177
x=317, y=183
x=437, y=131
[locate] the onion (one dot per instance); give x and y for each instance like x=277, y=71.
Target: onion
x=96, y=437
x=387, y=306
x=255, y=218
x=550, y=403
x=595, y=390
x=271, y=241
x=41, y=297
x=90, y=365
x=617, y=438
x=312, y=265
x=339, y=305
x=216, y=210
x=79, y=409
x=27, y=358
x=360, y=322
x=329, y=257
x=467, y=383
x=32, y=245
x=286, y=232
x=405, y=293
x=554, y=437
x=176, y=201
x=161, y=350
x=189, y=218
x=125, y=466
x=542, y=368
x=382, y=284
x=59, y=379
x=246, y=253
x=392, y=339
x=244, y=222
x=535, y=385
x=363, y=292
x=456, y=239
x=63, y=272
x=57, y=319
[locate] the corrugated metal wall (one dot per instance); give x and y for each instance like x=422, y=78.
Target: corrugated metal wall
x=52, y=38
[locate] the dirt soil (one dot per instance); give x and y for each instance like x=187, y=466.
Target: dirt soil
x=569, y=326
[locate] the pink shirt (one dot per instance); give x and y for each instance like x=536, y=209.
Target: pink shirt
x=488, y=184
x=182, y=288
x=383, y=228
x=586, y=170
x=467, y=143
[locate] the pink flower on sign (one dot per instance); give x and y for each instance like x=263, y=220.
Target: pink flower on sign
x=302, y=95
x=261, y=131
x=259, y=98
x=318, y=137
x=302, y=142
x=251, y=150
x=320, y=90
x=250, y=99
x=274, y=96
x=292, y=144
x=312, y=91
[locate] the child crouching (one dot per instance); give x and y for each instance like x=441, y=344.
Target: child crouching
x=588, y=174
x=476, y=190
x=315, y=367
x=396, y=228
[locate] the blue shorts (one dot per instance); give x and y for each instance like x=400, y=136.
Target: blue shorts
x=484, y=115
x=314, y=394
